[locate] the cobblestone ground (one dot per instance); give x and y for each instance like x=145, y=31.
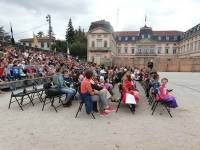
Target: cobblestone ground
x=33, y=129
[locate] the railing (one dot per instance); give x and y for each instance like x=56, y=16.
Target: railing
x=99, y=48
x=145, y=54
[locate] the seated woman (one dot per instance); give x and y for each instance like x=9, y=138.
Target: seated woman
x=88, y=91
x=127, y=87
x=164, y=94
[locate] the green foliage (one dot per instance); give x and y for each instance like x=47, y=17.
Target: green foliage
x=60, y=46
x=79, y=46
x=40, y=34
x=70, y=33
x=4, y=35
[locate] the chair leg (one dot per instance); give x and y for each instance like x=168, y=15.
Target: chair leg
x=44, y=103
x=52, y=104
x=31, y=100
x=153, y=105
x=93, y=116
x=79, y=109
x=118, y=105
x=19, y=104
x=156, y=103
x=10, y=102
x=168, y=110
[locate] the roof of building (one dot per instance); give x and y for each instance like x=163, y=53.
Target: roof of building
x=101, y=23
x=158, y=33
x=40, y=39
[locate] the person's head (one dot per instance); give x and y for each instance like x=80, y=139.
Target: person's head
x=88, y=74
x=156, y=77
x=164, y=81
x=128, y=77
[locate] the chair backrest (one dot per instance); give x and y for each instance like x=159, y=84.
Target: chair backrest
x=1, y=71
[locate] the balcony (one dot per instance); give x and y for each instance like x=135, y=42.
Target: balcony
x=145, y=54
x=104, y=49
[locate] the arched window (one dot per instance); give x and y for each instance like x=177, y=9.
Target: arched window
x=105, y=44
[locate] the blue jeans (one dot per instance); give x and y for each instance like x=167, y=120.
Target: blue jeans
x=70, y=92
x=86, y=97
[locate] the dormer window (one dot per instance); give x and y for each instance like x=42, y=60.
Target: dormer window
x=119, y=38
x=142, y=36
x=175, y=38
x=167, y=38
x=159, y=38
x=133, y=38
x=126, y=38
x=149, y=36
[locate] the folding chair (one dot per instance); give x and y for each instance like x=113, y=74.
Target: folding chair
x=51, y=94
x=163, y=103
x=81, y=105
x=19, y=96
x=120, y=100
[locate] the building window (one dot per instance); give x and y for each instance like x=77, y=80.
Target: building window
x=24, y=43
x=126, y=50
x=119, y=38
x=48, y=44
x=159, y=50
x=93, y=44
x=167, y=38
x=99, y=43
x=133, y=50
x=199, y=46
x=142, y=36
x=149, y=36
x=174, y=51
x=42, y=44
x=166, y=51
x=159, y=38
x=105, y=44
x=175, y=38
x=119, y=50
x=126, y=38
x=133, y=38
x=99, y=35
x=29, y=44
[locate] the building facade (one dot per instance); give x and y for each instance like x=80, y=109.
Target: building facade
x=42, y=42
x=144, y=44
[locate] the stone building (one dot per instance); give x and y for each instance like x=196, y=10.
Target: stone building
x=42, y=42
x=136, y=48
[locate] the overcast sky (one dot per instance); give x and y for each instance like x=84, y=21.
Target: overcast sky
x=28, y=16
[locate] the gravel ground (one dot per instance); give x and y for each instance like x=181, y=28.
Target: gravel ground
x=33, y=129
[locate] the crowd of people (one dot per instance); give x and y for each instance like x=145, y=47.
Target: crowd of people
x=94, y=82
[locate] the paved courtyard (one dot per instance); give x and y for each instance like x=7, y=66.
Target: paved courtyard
x=33, y=129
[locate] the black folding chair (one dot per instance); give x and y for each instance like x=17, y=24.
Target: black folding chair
x=120, y=100
x=51, y=94
x=163, y=103
x=19, y=96
x=81, y=105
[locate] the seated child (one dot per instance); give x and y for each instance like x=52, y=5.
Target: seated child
x=164, y=94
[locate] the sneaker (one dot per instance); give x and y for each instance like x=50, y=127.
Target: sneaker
x=109, y=109
x=103, y=113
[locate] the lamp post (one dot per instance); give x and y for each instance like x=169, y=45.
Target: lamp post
x=48, y=19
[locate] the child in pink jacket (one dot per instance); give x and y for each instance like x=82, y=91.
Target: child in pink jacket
x=164, y=94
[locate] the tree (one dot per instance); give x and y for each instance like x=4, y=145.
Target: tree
x=40, y=34
x=4, y=36
x=60, y=46
x=79, y=46
x=70, y=33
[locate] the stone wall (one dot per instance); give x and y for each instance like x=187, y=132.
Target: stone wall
x=161, y=64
